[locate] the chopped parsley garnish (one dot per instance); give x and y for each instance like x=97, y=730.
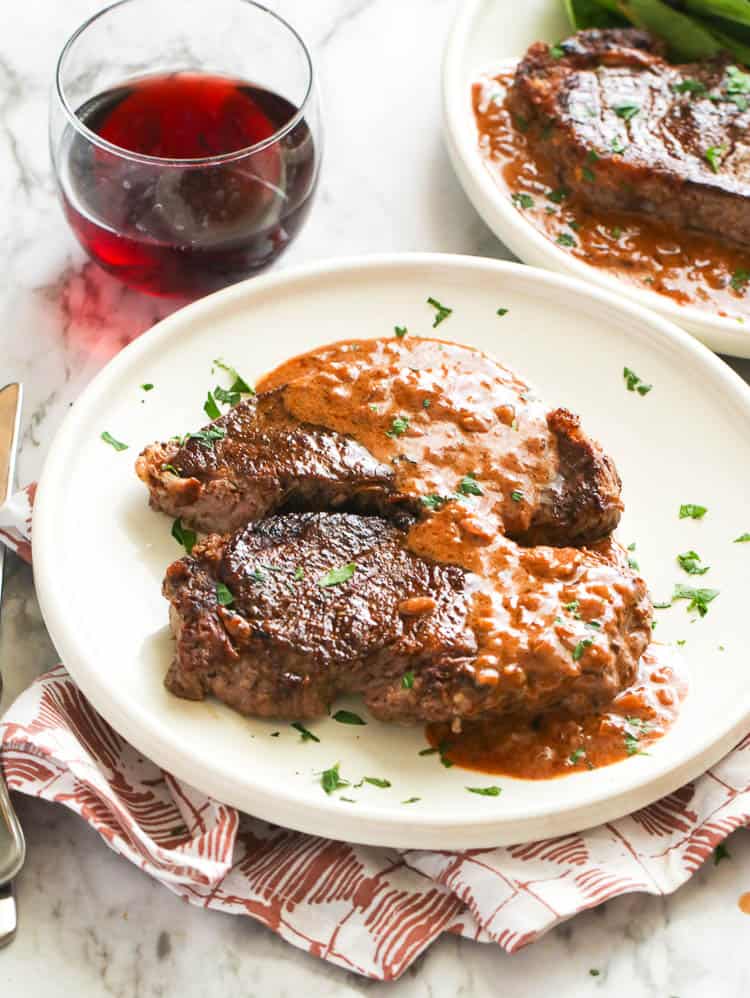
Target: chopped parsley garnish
x=516, y=495
x=521, y=123
x=330, y=779
x=616, y=232
x=742, y=539
x=227, y=397
x=557, y=196
x=617, y=145
x=699, y=598
x=148, y=387
x=714, y=156
x=693, y=511
x=468, y=486
x=307, y=736
x=238, y=383
x=739, y=280
x=337, y=575
x=636, y=727
x=594, y=972
x=633, y=563
x=399, y=426
x=411, y=800
x=574, y=608
x=662, y=606
x=522, y=200
x=737, y=81
x=721, y=852
x=565, y=239
x=626, y=111
x=690, y=561
x=377, y=782
x=210, y=407
x=427, y=751
x=634, y=383
x=170, y=467
x=117, y=444
x=207, y=437
x=223, y=595
x=299, y=573
x=588, y=174
x=689, y=86
x=576, y=756
x=348, y=717
x=581, y=647
x=502, y=311
x=441, y=311
x=593, y=156
x=444, y=760
x=631, y=744
x=183, y=535
x=434, y=501
x=557, y=51
x=256, y=575
x=638, y=723
x=407, y=680
x=485, y=791
x=594, y=624
x=400, y=331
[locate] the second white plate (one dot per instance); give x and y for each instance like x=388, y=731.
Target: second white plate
x=485, y=34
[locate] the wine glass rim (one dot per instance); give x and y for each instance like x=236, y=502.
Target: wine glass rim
x=236, y=154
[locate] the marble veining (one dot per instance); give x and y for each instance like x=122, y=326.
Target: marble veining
x=90, y=923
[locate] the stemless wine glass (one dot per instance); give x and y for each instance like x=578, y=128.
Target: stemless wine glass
x=186, y=140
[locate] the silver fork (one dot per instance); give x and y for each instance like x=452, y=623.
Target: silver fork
x=12, y=845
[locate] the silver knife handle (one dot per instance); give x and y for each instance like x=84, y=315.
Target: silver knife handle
x=12, y=844
x=7, y=914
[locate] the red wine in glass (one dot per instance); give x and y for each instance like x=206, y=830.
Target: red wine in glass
x=185, y=223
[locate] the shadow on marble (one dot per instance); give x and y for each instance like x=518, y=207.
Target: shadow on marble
x=98, y=314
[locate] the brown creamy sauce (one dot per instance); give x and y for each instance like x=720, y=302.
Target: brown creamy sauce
x=558, y=742
x=463, y=416
x=688, y=267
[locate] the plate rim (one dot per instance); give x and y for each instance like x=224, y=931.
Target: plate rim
x=368, y=826
x=723, y=335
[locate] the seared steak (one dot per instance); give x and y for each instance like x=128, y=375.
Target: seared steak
x=628, y=131
x=316, y=604
x=490, y=443
x=265, y=460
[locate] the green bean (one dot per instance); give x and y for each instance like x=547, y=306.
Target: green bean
x=593, y=14
x=686, y=37
x=740, y=51
x=730, y=10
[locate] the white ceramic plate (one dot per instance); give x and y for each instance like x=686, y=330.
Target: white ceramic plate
x=486, y=35
x=100, y=553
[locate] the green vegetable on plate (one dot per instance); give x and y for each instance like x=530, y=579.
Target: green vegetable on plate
x=692, y=29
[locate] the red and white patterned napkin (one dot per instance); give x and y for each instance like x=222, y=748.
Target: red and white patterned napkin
x=369, y=910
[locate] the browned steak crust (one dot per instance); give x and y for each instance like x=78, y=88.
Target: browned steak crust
x=267, y=461
x=286, y=645
x=628, y=131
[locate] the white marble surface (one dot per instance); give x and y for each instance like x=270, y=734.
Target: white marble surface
x=91, y=924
